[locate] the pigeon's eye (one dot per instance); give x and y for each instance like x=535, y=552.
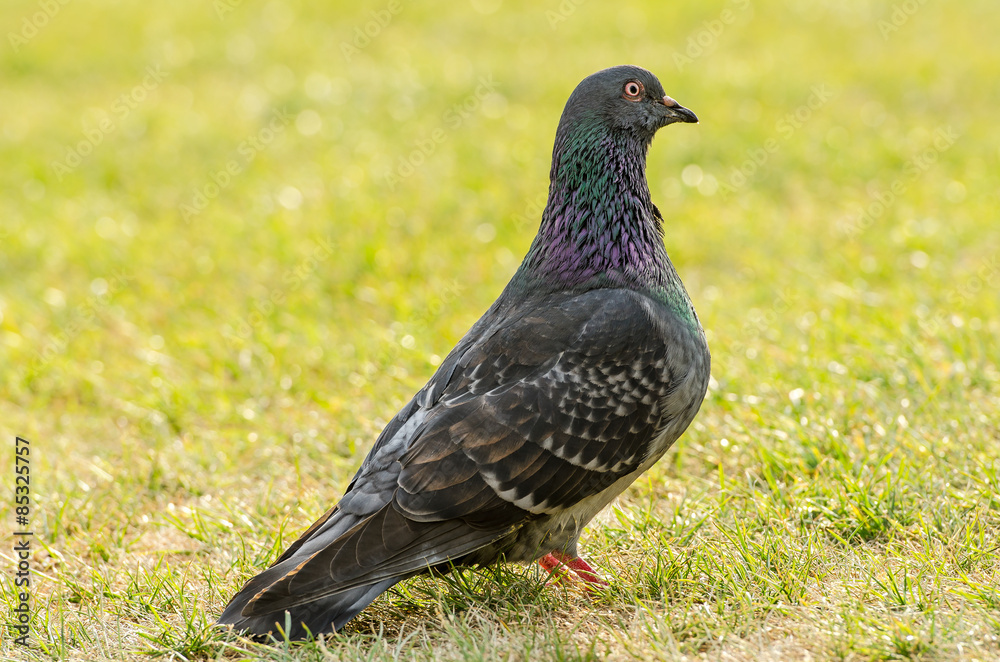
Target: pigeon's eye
x=633, y=90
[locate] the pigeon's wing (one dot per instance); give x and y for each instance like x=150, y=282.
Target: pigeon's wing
x=367, y=497
x=524, y=419
x=560, y=405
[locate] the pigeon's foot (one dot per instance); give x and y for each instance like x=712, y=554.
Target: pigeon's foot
x=554, y=562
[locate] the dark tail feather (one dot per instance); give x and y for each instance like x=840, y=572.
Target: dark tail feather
x=338, y=568
x=321, y=616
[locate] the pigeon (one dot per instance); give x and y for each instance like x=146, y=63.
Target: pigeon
x=578, y=378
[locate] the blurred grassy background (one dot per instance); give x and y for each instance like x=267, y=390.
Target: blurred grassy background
x=196, y=375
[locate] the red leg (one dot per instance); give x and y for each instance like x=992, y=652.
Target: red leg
x=553, y=566
x=581, y=568
x=585, y=572
x=549, y=562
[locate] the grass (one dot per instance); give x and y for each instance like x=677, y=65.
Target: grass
x=198, y=386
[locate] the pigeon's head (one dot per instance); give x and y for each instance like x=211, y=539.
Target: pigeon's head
x=624, y=98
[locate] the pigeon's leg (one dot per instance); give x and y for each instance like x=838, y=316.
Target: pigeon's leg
x=548, y=562
x=584, y=571
x=581, y=568
x=551, y=564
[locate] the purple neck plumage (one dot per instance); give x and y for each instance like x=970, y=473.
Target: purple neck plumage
x=599, y=226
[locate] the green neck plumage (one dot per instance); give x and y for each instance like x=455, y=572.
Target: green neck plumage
x=600, y=228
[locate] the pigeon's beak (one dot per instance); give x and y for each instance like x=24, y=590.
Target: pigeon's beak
x=677, y=112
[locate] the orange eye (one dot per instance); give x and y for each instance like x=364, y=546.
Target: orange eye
x=633, y=90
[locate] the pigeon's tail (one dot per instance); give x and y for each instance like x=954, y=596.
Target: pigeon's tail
x=300, y=619
x=321, y=616
x=340, y=565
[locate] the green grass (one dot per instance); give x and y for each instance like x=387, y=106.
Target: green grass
x=197, y=390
